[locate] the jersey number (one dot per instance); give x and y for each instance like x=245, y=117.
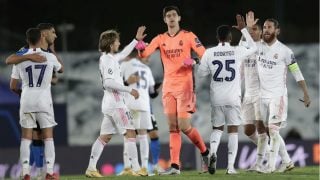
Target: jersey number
x=141, y=74
x=227, y=67
x=42, y=71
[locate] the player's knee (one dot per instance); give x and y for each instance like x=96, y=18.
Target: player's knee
x=130, y=133
x=218, y=127
x=184, y=115
x=249, y=129
x=105, y=138
x=142, y=131
x=232, y=129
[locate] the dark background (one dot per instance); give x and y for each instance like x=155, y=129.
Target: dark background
x=299, y=19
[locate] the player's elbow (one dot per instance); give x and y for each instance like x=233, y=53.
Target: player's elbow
x=61, y=70
x=9, y=60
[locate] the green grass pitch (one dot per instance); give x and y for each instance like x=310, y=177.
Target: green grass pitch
x=305, y=173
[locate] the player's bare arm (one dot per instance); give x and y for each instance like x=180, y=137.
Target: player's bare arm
x=52, y=49
x=54, y=79
x=14, y=86
x=306, y=98
x=132, y=79
x=16, y=59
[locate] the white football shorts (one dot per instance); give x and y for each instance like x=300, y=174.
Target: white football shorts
x=229, y=115
x=141, y=119
x=45, y=119
x=274, y=110
x=250, y=109
x=116, y=121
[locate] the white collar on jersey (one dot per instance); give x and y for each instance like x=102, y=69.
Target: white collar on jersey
x=225, y=44
x=272, y=45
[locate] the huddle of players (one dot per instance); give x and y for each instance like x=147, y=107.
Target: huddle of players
x=265, y=102
x=36, y=65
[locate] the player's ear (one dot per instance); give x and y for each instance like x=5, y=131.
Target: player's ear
x=278, y=31
x=179, y=18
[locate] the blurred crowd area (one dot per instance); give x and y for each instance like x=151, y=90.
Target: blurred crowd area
x=80, y=89
x=79, y=23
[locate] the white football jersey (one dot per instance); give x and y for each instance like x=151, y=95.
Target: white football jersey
x=136, y=67
x=251, y=77
x=110, y=69
x=272, y=67
x=223, y=63
x=36, y=81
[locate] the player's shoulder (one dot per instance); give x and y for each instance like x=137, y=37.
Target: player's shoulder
x=22, y=51
x=283, y=47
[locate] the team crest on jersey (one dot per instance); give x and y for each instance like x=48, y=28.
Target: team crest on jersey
x=275, y=56
x=181, y=43
x=110, y=71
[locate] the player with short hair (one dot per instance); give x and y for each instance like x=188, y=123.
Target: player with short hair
x=138, y=75
x=47, y=39
x=36, y=82
x=250, y=107
x=223, y=62
x=179, y=100
x=275, y=59
x=117, y=117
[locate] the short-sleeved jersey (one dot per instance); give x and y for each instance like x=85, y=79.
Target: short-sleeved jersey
x=36, y=81
x=223, y=63
x=110, y=69
x=272, y=67
x=136, y=67
x=251, y=77
x=174, y=50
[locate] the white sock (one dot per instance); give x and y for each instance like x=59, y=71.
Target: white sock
x=285, y=158
x=25, y=155
x=215, y=140
x=133, y=154
x=261, y=147
x=254, y=138
x=38, y=171
x=126, y=161
x=144, y=150
x=232, y=149
x=96, y=151
x=49, y=154
x=274, y=147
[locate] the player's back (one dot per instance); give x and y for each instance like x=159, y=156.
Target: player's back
x=136, y=67
x=36, y=81
x=224, y=63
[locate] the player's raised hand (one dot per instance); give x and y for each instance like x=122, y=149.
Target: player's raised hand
x=134, y=93
x=140, y=33
x=36, y=57
x=240, y=22
x=250, y=19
